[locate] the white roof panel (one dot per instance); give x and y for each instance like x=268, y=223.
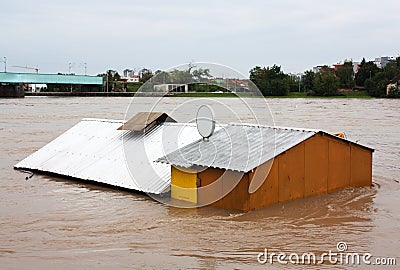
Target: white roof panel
x=95, y=150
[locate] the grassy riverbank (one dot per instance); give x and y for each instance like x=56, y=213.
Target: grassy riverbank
x=356, y=94
x=353, y=94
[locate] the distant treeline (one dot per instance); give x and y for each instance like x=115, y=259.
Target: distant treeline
x=272, y=81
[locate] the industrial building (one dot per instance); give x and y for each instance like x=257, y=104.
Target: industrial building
x=12, y=84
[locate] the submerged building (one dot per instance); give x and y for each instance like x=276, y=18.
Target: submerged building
x=247, y=167
x=240, y=166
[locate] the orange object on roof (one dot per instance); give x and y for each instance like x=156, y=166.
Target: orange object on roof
x=340, y=135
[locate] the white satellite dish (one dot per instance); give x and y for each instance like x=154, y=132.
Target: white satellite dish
x=205, y=121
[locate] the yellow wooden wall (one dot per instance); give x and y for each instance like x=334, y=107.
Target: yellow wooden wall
x=183, y=185
x=230, y=186
x=318, y=165
x=361, y=167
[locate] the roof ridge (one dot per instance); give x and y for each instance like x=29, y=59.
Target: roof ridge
x=277, y=127
x=103, y=120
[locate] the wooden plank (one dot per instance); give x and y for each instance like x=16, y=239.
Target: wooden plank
x=291, y=174
x=267, y=194
x=209, y=189
x=316, y=165
x=225, y=189
x=361, y=167
x=339, y=165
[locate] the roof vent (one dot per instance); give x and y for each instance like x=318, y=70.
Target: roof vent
x=144, y=120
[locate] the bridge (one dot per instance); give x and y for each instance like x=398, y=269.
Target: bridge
x=10, y=83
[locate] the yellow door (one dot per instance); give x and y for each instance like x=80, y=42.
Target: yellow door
x=183, y=185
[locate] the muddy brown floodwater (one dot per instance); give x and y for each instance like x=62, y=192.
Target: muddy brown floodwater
x=55, y=223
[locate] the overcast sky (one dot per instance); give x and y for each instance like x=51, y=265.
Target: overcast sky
x=119, y=34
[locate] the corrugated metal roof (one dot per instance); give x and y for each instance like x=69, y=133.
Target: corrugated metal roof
x=95, y=150
x=142, y=120
x=238, y=147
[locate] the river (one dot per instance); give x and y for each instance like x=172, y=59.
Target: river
x=55, y=223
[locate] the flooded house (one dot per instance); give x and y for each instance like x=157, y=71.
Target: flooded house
x=246, y=167
x=235, y=166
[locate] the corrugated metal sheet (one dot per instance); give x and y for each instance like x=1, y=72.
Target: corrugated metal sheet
x=238, y=147
x=95, y=150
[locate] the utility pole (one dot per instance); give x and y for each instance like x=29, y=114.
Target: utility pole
x=236, y=82
x=106, y=81
x=85, y=65
x=299, y=77
x=69, y=68
x=5, y=63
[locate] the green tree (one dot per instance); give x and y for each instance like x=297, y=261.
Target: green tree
x=271, y=81
x=345, y=73
x=326, y=84
x=398, y=61
x=367, y=71
x=201, y=75
x=370, y=86
x=113, y=75
x=293, y=83
x=111, y=78
x=391, y=70
x=376, y=86
x=307, y=80
x=161, y=77
x=180, y=76
x=359, y=78
x=394, y=92
x=145, y=75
